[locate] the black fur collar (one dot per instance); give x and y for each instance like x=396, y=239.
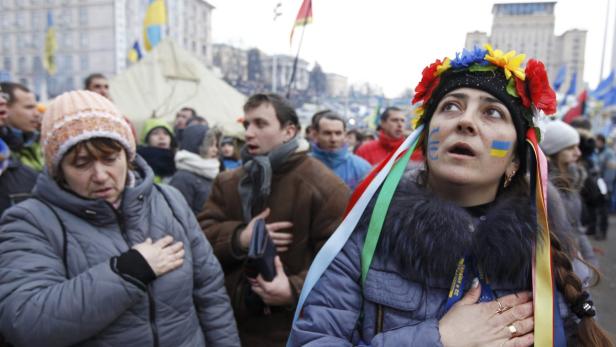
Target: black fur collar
x=427, y=236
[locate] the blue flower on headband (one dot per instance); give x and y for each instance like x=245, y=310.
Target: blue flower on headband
x=467, y=58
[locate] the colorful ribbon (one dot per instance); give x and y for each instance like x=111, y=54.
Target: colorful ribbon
x=361, y=197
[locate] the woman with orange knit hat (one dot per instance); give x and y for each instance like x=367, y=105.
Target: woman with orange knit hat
x=101, y=256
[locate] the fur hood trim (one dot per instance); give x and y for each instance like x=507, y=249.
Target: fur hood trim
x=427, y=236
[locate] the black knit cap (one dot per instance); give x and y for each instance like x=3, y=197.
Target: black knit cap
x=492, y=82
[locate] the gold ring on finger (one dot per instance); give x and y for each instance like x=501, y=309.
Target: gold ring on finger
x=512, y=329
x=501, y=307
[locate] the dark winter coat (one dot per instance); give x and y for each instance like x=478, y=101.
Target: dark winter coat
x=304, y=192
x=408, y=282
x=96, y=306
x=16, y=184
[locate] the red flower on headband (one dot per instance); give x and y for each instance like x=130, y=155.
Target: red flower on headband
x=428, y=82
x=520, y=87
x=541, y=93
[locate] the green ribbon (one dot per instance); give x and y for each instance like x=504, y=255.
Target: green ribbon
x=380, y=210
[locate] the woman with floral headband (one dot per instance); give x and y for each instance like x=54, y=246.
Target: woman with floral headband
x=446, y=252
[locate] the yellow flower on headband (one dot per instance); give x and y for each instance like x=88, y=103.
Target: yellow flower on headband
x=508, y=61
x=417, y=117
x=443, y=67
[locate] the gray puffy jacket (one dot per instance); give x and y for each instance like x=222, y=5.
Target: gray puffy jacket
x=95, y=306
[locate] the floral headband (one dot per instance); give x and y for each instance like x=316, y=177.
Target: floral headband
x=529, y=87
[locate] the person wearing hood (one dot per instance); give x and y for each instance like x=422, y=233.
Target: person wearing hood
x=229, y=154
x=197, y=165
x=158, y=148
x=561, y=145
x=330, y=148
x=101, y=255
x=391, y=135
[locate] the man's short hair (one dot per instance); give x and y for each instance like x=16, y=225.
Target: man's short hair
x=327, y=114
x=10, y=88
x=193, y=112
x=385, y=115
x=284, y=111
x=90, y=78
x=317, y=117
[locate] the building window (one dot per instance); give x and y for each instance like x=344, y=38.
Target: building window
x=83, y=40
x=66, y=17
x=83, y=16
x=7, y=63
x=6, y=43
x=67, y=62
x=37, y=65
x=21, y=65
x=84, y=63
x=19, y=19
x=67, y=39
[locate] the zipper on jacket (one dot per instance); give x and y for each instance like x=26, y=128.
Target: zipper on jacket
x=122, y=225
x=151, y=302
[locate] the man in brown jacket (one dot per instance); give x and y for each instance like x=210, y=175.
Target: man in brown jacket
x=302, y=202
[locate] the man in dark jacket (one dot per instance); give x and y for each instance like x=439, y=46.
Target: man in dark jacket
x=302, y=202
x=16, y=180
x=23, y=122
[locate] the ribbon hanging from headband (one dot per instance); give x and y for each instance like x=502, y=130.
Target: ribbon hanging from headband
x=358, y=203
x=548, y=324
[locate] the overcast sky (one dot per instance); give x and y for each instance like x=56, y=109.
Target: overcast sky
x=388, y=42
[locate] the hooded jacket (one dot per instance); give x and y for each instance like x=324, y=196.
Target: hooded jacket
x=194, y=177
x=86, y=303
x=153, y=123
x=16, y=183
x=406, y=289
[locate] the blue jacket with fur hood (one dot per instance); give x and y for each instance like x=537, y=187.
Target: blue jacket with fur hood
x=407, y=285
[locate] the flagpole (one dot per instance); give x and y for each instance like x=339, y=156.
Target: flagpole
x=292, y=79
x=607, y=17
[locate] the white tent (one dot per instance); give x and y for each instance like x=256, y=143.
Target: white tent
x=169, y=78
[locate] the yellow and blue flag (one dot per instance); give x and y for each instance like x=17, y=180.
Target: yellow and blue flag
x=51, y=46
x=134, y=54
x=153, y=23
x=500, y=148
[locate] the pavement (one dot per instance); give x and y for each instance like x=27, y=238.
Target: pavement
x=604, y=294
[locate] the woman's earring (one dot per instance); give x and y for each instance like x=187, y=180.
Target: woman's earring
x=508, y=179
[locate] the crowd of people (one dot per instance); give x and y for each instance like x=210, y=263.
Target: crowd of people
x=111, y=239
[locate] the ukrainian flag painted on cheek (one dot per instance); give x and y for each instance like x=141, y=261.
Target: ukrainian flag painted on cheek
x=500, y=148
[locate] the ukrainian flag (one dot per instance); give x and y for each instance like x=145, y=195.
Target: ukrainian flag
x=134, y=54
x=500, y=148
x=153, y=23
x=51, y=46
